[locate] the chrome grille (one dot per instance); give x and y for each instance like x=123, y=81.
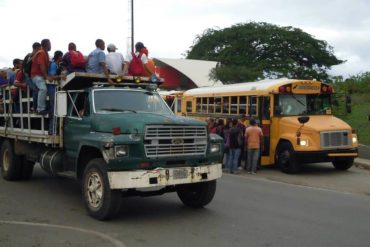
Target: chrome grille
x=335, y=139
x=172, y=140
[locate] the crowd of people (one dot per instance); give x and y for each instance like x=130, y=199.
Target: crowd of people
x=37, y=70
x=242, y=142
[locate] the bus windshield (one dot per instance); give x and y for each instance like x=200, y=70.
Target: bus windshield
x=302, y=104
x=129, y=101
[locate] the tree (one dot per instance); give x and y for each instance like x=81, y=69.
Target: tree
x=254, y=51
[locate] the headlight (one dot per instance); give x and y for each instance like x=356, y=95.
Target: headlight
x=215, y=147
x=303, y=142
x=121, y=151
x=354, y=139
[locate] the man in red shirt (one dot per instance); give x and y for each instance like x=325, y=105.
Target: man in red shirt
x=39, y=74
x=253, y=141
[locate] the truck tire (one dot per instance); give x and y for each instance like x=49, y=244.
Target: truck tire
x=285, y=158
x=196, y=195
x=27, y=169
x=101, y=202
x=10, y=162
x=343, y=164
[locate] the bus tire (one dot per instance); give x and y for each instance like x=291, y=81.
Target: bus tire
x=286, y=159
x=27, y=169
x=196, y=195
x=101, y=202
x=11, y=165
x=343, y=164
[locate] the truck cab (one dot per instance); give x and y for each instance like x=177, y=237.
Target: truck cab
x=123, y=140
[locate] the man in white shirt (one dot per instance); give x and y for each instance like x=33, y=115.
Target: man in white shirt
x=114, y=60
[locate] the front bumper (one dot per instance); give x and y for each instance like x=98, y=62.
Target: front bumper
x=325, y=156
x=163, y=176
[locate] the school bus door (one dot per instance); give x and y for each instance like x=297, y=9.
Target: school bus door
x=265, y=121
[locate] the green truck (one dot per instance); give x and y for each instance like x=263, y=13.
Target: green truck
x=120, y=140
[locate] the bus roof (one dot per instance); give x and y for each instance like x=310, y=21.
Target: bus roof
x=269, y=85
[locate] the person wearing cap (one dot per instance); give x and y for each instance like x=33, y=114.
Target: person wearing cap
x=96, y=61
x=139, y=47
x=114, y=60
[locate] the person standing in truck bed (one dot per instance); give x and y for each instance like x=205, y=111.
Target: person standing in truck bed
x=39, y=74
x=96, y=61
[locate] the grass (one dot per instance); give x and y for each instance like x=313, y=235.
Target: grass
x=358, y=118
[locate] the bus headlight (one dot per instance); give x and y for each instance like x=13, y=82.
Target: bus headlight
x=121, y=151
x=354, y=139
x=215, y=148
x=303, y=142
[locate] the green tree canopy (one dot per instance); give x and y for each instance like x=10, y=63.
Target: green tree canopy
x=254, y=51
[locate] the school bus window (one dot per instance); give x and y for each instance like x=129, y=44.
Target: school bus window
x=242, y=105
x=204, y=105
x=266, y=108
x=189, y=106
x=179, y=104
x=198, y=105
x=253, y=105
x=218, y=105
x=225, y=105
x=234, y=105
x=211, y=105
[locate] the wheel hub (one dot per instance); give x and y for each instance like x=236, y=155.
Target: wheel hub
x=94, y=190
x=6, y=160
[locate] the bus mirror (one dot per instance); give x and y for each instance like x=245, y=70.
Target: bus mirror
x=303, y=119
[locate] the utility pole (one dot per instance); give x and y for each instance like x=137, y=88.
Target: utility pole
x=132, y=25
x=130, y=39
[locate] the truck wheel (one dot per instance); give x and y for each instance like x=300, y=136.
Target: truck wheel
x=343, y=164
x=101, y=202
x=285, y=158
x=10, y=162
x=196, y=195
x=27, y=169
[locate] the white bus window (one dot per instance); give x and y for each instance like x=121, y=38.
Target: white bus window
x=198, y=105
x=252, y=106
x=218, y=105
x=242, y=105
x=189, y=106
x=211, y=105
x=225, y=105
x=204, y=105
x=234, y=105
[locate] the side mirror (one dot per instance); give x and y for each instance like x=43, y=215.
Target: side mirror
x=303, y=119
x=61, y=104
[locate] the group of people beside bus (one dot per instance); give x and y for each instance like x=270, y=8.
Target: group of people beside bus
x=243, y=140
x=37, y=70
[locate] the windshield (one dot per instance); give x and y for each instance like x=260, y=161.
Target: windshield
x=113, y=100
x=302, y=104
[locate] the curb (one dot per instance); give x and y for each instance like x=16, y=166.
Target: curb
x=362, y=163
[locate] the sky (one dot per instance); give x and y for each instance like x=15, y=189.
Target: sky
x=168, y=28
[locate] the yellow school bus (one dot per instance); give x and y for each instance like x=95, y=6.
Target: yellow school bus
x=295, y=115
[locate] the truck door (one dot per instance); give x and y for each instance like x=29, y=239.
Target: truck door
x=76, y=124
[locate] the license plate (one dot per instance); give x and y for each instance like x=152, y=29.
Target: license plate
x=180, y=173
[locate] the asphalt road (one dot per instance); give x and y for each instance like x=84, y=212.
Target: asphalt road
x=268, y=209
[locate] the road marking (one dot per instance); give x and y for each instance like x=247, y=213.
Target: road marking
x=114, y=241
